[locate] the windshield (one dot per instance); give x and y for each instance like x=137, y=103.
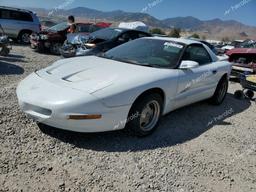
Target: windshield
x=106, y=34
x=59, y=27
x=148, y=52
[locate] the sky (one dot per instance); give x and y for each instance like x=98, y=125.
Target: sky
x=240, y=10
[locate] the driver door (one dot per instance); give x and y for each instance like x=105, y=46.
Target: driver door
x=197, y=83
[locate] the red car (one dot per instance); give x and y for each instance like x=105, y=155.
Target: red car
x=243, y=60
x=51, y=39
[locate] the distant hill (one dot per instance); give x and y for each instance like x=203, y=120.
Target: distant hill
x=215, y=28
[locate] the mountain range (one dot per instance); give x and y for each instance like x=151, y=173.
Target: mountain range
x=215, y=28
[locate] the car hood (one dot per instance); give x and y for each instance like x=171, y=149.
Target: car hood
x=91, y=73
x=242, y=51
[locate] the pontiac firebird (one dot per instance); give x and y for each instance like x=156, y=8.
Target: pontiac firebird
x=130, y=86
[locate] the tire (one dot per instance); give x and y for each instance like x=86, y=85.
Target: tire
x=239, y=95
x=220, y=92
x=249, y=94
x=24, y=37
x=40, y=48
x=55, y=48
x=145, y=114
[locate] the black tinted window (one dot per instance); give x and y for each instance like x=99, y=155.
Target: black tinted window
x=140, y=35
x=197, y=53
x=107, y=33
x=128, y=36
x=15, y=15
x=94, y=28
x=4, y=14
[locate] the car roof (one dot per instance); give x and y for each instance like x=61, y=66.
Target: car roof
x=16, y=9
x=178, y=40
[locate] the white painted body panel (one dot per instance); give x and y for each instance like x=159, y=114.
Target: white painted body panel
x=94, y=85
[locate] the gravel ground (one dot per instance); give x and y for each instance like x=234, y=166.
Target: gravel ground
x=197, y=148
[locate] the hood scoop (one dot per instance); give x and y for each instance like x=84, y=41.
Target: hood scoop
x=75, y=77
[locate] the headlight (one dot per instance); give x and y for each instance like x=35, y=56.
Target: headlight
x=44, y=37
x=90, y=45
x=3, y=39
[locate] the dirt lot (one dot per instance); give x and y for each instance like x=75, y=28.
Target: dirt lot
x=197, y=148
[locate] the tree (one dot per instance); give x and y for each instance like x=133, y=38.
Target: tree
x=175, y=33
x=157, y=31
x=195, y=35
x=225, y=39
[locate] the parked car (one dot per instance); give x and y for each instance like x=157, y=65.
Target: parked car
x=243, y=61
x=19, y=23
x=131, y=86
x=101, y=41
x=53, y=38
x=232, y=45
x=5, y=43
x=248, y=44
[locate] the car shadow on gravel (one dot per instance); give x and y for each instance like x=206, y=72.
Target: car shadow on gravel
x=13, y=58
x=10, y=69
x=175, y=128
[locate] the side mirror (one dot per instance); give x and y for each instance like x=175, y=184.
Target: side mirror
x=188, y=64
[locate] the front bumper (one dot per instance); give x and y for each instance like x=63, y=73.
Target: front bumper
x=51, y=104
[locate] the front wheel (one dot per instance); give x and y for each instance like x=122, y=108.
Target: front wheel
x=55, y=48
x=145, y=114
x=220, y=92
x=24, y=37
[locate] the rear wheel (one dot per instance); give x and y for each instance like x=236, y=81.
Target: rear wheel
x=220, y=92
x=145, y=114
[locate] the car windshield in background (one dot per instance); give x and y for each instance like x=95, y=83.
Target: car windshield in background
x=106, y=34
x=157, y=53
x=59, y=27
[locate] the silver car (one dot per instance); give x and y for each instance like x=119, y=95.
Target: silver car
x=19, y=23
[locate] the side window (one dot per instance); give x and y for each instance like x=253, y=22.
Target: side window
x=197, y=53
x=126, y=37
x=26, y=17
x=140, y=35
x=83, y=28
x=15, y=15
x=94, y=28
x=21, y=16
x=4, y=14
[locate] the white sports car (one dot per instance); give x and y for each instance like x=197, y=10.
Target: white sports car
x=130, y=86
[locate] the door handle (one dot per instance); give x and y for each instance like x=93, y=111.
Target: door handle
x=214, y=72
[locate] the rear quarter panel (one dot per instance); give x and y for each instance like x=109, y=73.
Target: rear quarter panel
x=223, y=67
